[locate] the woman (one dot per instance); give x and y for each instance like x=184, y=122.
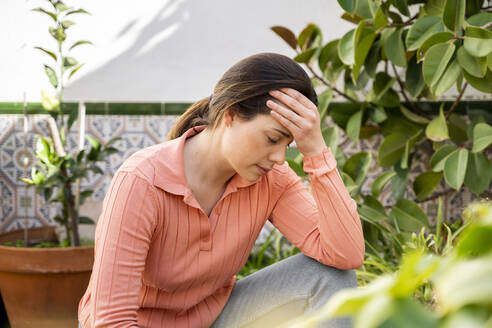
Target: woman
x=180, y=218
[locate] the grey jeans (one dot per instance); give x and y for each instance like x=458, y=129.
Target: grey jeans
x=282, y=291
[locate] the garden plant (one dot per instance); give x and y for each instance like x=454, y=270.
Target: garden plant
x=57, y=174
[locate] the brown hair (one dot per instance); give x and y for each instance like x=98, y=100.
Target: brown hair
x=244, y=89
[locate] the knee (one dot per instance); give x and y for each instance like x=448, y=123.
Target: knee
x=338, y=278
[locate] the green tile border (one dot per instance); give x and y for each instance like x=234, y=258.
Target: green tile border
x=116, y=108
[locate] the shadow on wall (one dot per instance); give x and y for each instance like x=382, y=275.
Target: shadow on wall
x=177, y=55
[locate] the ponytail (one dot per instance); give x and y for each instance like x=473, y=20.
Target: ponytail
x=196, y=114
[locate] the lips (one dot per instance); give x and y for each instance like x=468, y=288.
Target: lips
x=262, y=170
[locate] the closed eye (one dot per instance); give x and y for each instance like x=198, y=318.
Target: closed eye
x=272, y=141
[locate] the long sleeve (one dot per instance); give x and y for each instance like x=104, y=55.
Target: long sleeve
x=325, y=225
x=123, y=235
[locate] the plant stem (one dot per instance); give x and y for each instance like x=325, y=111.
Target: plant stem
x=437, y=195
x=453, y=107
x=404, y=94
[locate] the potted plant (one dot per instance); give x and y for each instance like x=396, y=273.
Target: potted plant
x=42, y=284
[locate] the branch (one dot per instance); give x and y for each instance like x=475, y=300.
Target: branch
x=437, y=195
x=328, y=84
x=405, y=23
x=453, y=107
x=404, y=94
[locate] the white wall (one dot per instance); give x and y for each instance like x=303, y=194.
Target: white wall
x=168, y=50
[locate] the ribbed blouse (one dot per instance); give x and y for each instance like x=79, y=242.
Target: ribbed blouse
x=160, y=261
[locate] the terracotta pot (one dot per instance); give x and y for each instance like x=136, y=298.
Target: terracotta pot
x=41, y=287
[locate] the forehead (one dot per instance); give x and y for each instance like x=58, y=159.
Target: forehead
x=267, y=123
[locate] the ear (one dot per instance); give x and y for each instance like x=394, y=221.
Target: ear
x=229, y=117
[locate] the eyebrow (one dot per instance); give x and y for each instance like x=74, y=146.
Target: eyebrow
x=283, y=133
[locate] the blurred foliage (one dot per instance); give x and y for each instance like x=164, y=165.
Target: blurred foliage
x=427, y=290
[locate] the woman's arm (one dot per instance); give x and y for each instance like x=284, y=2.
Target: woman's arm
x=123, y=235
x=327, y=226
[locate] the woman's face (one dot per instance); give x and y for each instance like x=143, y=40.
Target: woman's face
x=253, y=147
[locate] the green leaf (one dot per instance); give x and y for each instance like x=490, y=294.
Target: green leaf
x=373, y=59
x=287, y=35
x=475, y=241
x=414, y=80
x=426, y=183
x=402, y=7
x=412, y=116
x=380, y=182
x=365, y=8
x=69, y=62
x=394, y=48
x=423, y=28
x=382, y=83
x=67, y=23
x=324, y=100
x=437, y=129
x=348, y=5
x=352, y=188
x=305, y=56
x=49, y=13
x=49, y=102
x=363, y=40
x=78, y=11
x=94, y=142
x=434, y=7
x=58, y=34
x=478, y=41
x=447, y=80
x=391, y=149
x=457, y=128
x=50, y=72
x=357, y=166
x=399, y=182
x=439, y=37
x=309, y=37
x=353, y=125
x=378, y=115
x=454, y=15
x=455, y=168
x=489, y=61
x=408, y=216
x=330, y=136
x=341, y=113
x=482, y=137
x=50, y=53
x=465, y=282
x=78, y=43
x=476, y=66
x=435, y=62
x=478, y=173
x=440, y=156
x=483, y=84
x=346, y=48
x=74, y=70
x=86, y=220
x=480, y=19
x=380, y=19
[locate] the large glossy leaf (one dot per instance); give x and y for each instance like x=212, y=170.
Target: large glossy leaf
x=373, y=59
x=382, y=83
x=391, y=149
x=414, y=80
x=480, y=19
x=348, y=5
x=366, y=8
x=478, y=173
x=412, y=116
x=310, y=37
x=457, y=128
x=372, y=209
x=421, y=30
x=436, y=38
x=483, y=84
x=394, y=48
x=402, y=6
x=341, y=113
x=408, y=216
x=437, y=129
x=287, y=35
x=327, y=54
x=475, y=241
x=454, y=15
x=381, y=181
x=324, y=100
x=399, y=182
x=440, y=156
x=455, y=168
x=476, y=66
x=351, y=186
x=346, y=48
x=482, y=137
x=363, y=40
x=353, y=125
x=330, y=135
x=357, y=166
x=380, y=19
x=435, y=62
x=426, y=183
x=306, y=55
x=448, y=78
x=478, y=41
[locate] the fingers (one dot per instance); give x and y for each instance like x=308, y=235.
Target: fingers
x=284, y=112
x=299, y=97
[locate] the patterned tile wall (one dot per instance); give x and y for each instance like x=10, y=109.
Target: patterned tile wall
x=19, y=204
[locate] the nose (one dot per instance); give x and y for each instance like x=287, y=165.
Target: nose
x=278, y=155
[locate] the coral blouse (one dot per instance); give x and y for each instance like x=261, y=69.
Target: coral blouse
x=160, y=261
